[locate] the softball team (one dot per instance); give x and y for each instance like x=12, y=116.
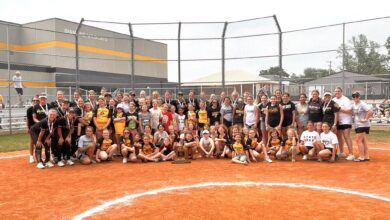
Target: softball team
x=154, y=128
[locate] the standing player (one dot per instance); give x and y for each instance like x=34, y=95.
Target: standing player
x=29, y=123
x=274, y=116
x=362, y=113
x=192, y=100
x=181, y=102
x=119, y=119
x=314, y=109
x=344, y=123
x=92, y=99
x=262, y=106
x=215, y=114
x=302, y=113
x=59, y=99
x=251, y=114
x=289, y=114
x=102, y=118
x=132, y=119
x=156, y=116
x=203, y=116
x=330, y=111
x=238, y=113
x=226, y=112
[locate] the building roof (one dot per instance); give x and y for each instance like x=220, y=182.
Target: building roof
x=349, y=77
x=125, y=35
x=232, y=77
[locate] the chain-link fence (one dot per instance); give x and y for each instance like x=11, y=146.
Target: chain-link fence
x=247, y=55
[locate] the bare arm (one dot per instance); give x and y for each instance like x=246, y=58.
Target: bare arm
x=35, y=118
x=281, y=116
x=294, y=117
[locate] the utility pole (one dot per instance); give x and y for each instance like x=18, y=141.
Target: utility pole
x=330, y=67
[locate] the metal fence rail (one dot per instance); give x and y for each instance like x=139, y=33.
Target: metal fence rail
x=55, y=54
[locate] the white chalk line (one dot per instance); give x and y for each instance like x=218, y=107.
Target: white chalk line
x=378, y=148
x=127, y=198
x=24, y=155
x=13, y=156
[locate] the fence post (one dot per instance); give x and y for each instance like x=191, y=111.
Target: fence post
x=366, y=92
x=179, y=56
x=70, y=93
x=77, y=53
x=132, y=55
x=223, y=55
x=9, y=82
x=254, y=91
x=343, y=75
x=280, y=51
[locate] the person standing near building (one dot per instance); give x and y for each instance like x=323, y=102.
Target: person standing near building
x=18, y=84
x=344, y=123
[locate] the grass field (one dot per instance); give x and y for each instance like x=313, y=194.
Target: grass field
x=14, y=142
x=17, y=142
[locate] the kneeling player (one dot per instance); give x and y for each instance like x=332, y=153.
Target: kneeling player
x=106, y=148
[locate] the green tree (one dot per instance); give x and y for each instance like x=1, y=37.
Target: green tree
x=362, y=56
x=274, y=71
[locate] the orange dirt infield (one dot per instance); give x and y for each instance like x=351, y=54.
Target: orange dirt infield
x=63, y=193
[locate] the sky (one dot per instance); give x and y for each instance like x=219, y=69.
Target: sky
x=291, y=15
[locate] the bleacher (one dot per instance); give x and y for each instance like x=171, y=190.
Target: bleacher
x=18, y=118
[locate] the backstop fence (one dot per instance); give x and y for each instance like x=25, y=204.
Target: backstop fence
x=56, y=54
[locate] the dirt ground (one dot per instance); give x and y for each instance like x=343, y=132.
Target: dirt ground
x=62, y=193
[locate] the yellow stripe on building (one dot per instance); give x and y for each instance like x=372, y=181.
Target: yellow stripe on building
x=31, y=84
x=85, y=48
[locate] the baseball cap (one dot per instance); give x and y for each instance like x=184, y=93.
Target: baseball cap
x=327, y=93
x=72, y=110
x=42, y=95
x=120, y=106
x=205, y=132
x=355, y=94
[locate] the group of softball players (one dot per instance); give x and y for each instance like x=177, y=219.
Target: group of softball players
x=154, y=128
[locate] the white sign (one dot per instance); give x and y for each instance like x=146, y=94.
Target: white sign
x=85, y=35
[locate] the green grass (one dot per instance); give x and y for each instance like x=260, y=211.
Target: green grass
x=376, y=136
x=14, y=142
